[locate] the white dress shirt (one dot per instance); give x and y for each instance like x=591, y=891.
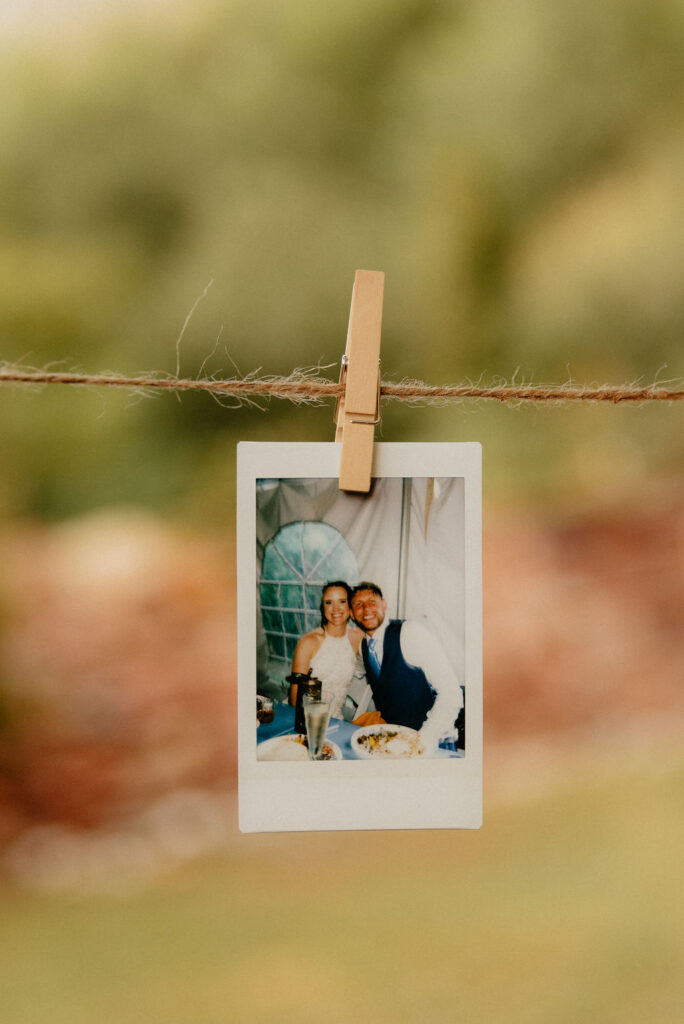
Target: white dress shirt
x=421, y=649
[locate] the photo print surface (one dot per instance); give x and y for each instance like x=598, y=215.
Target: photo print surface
x=362, y=665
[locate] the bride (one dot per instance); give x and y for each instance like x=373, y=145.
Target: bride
x=329, y=652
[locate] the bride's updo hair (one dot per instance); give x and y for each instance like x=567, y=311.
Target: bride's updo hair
x=343, y=586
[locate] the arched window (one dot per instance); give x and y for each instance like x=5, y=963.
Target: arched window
x=298, y=561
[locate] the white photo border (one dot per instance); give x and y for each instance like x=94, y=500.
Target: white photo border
x=356, y=794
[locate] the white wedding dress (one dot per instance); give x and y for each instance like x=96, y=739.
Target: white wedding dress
x=334, y=663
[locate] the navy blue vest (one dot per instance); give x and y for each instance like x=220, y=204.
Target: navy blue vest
x=402, y=694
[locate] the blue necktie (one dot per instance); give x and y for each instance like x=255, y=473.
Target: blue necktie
x=373, y=658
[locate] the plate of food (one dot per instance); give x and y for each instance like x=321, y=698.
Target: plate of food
x=382, y=742
x=294, y=748
x=265, y=710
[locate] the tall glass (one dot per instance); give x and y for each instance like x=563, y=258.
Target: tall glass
x=316, y=717
x=305, y=684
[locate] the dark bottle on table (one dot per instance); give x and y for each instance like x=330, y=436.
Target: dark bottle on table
x=305, y=683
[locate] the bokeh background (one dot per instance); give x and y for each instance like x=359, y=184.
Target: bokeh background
x=515, y=168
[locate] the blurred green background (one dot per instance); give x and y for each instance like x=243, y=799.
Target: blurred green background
x=515, y=168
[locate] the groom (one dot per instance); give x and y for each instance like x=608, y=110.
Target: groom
x=412, y=681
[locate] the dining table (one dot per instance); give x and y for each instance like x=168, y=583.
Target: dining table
x=339, y=732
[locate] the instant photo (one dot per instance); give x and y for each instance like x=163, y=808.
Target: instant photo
x=360, y=651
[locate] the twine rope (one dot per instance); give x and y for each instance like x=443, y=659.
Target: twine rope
x=306, y=386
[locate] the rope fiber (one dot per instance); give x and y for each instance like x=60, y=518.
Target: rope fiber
x=304, y=386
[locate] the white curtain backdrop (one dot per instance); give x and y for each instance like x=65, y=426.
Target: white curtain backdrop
x=435, y=563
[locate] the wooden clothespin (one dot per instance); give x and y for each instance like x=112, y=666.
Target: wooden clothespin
x=358, y=409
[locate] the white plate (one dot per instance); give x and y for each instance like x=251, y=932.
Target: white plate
x=291, y=748
x=401, y=742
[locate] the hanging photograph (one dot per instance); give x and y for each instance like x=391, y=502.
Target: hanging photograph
x=360, y=676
